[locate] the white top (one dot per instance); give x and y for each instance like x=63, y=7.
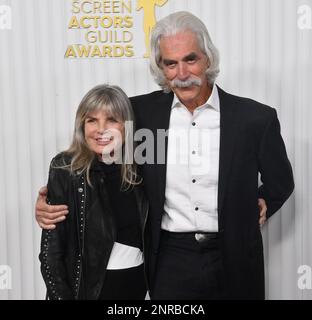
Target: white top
x=191, y=196
x=123, y=257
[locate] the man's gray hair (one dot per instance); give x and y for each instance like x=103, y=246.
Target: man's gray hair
x=176, y=23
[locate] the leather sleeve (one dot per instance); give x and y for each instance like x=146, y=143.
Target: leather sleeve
x=52, y=253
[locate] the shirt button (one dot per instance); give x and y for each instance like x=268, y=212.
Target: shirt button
x=196, y=209
x=193, y=152
x=193, y=180
x=193, y=124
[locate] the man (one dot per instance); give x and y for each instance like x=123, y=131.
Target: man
x=202, y=233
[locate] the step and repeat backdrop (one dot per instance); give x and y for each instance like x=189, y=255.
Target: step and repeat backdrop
x=53, y=52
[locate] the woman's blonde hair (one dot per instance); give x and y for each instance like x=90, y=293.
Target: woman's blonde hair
x=115, y=103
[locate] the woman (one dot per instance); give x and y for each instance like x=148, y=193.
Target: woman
x=96, y=253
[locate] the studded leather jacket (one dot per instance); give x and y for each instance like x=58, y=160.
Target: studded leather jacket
x=68, y=270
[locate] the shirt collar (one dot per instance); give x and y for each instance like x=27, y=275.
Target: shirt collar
x=213, y=101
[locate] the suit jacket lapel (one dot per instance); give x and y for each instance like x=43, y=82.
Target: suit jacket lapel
x=229, y=122
x=161, y=119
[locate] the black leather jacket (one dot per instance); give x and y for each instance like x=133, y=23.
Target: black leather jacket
x=68, y=270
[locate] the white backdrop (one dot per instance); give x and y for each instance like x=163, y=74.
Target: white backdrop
x=265, y=55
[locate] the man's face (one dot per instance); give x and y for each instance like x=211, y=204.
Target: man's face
x=183, y=61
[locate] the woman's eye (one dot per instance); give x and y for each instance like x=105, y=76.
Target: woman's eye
x=112, y=120
x=90, y=120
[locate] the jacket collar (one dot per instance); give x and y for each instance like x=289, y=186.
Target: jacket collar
x=100, y=166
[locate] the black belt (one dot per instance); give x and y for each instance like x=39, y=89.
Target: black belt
x=198, y=236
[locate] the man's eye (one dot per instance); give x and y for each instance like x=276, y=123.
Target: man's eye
x=191, y=61
x=170, y=64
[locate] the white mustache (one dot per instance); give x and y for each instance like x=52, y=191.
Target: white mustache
x=176, y=83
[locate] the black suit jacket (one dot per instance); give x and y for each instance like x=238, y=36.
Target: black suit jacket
x=250, y=143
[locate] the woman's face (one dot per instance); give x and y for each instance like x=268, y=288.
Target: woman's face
x=104, y=134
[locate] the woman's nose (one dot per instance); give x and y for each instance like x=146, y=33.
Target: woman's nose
x=101, y=127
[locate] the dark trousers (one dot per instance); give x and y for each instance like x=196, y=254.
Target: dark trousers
x=188, y=268
x=124, y=284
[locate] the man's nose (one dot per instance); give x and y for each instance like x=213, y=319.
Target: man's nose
x=183, y=72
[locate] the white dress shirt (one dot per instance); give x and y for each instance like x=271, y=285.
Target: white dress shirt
x=124, y=257
x=191, y=196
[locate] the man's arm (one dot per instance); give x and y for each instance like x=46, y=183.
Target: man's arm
x=48, y=215
x=274, y=167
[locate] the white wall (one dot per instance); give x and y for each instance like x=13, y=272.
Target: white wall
x=264, y=55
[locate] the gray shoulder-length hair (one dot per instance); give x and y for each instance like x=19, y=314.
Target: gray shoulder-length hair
x=116, y=104
x=176, y=23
